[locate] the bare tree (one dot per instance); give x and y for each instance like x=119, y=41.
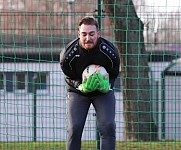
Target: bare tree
x=139, y=123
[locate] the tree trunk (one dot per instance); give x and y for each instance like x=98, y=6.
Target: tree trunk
x=139, y=124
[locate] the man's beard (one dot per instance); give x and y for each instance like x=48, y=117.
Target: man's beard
x=92, y=44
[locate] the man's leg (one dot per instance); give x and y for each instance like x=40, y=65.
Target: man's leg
x=77, y=109
x=105, y=112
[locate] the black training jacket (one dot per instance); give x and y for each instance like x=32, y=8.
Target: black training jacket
x=74, y=59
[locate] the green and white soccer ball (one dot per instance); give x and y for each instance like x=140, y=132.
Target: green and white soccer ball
x=91, y=69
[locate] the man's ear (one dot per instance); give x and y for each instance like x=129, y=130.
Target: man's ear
x=98, y=33
x=78, y=33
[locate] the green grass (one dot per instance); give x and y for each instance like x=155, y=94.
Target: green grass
x=161, y=145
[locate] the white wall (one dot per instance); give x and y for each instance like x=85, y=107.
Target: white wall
x=17, y=109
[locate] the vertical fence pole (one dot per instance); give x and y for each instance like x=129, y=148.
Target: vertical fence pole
x=99, y=14
x=157, y=103
x=97, y=134
x=97, y=137
x=34, y=107
x=100, y=25
x=163, y=105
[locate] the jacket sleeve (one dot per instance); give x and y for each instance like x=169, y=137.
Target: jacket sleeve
x=112, y=54
x=66, y=58
x=74, y=83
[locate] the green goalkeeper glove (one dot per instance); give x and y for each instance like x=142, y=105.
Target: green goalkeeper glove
x=104, y=86
x=89, y=86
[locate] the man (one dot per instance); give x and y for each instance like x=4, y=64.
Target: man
x=89, y=48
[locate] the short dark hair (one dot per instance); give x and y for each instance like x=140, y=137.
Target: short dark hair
x=88, y=20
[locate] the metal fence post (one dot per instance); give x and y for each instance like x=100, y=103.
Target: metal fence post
x=34, y=107
x=100, y=25
x=97, y=134
x=163, y=105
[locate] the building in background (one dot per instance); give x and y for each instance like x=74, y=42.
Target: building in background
x=32, y=34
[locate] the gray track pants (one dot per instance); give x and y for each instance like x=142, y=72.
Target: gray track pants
x=77, y=109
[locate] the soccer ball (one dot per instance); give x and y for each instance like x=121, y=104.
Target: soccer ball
x=91, y=69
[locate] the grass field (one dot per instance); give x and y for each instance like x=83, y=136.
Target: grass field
x=161, y=145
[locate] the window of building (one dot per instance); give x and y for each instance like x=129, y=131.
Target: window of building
x=20, y=80
x=2, y=81
x=42, y=81
x=9, y=81
x=24, y=81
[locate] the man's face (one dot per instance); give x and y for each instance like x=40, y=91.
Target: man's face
x=88, y=35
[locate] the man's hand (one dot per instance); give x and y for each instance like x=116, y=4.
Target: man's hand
x=104, y=86
x=89, y=86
